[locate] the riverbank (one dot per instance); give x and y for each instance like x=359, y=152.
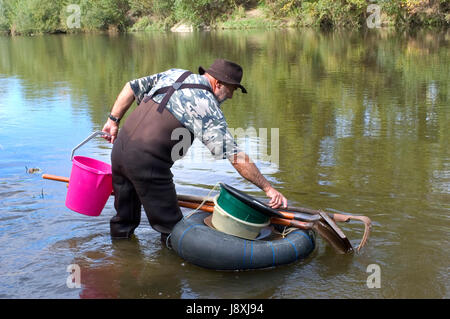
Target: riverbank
x=28, y=17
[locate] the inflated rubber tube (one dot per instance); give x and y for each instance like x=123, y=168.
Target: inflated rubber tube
x=203, y=246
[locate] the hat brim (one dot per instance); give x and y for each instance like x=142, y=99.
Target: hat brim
x=201, y=70
x=217, y=76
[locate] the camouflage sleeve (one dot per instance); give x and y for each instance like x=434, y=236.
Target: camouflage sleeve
x=218, y=139
x=143, y=85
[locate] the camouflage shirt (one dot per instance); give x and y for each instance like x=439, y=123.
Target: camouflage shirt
x=198, y=110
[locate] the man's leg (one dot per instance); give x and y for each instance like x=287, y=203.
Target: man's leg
x=128, y=208
x=159, y=199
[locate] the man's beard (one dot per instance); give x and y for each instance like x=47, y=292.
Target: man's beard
x=222, y=100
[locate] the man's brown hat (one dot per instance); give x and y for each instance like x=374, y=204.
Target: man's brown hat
x=225, y=71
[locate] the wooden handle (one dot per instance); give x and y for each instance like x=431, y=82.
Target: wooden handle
x=55, y=178
x=196, y=199
x=273, y=220
x=291, y=223
x=205, y=208
x=290, y=218
x=341, y=218
x=191, y=202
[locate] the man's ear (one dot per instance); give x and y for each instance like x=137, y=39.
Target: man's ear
x=217, y=84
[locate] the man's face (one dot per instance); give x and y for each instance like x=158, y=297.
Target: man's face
x=224, y=91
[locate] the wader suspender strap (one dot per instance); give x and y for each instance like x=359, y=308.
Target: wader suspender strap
x=177, y=85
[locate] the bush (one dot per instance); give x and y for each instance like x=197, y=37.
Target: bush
x=141, y=7
x=147, y=24
x=4, y=20
x=31, y=16
x=163, y=8
x=330, y=13
x=103, y=14
x=417, y=12
x=160, y=9
x=200, y=12
x=282, y=8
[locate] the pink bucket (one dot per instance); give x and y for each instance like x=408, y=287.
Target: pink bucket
x=90, y=186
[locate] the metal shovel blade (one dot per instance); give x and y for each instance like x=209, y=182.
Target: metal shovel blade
x=340, y=245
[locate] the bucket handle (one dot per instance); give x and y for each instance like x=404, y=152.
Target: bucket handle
x=87, y=139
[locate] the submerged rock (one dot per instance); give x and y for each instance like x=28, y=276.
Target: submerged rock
x=33, y=170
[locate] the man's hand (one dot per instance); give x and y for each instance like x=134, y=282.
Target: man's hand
x=276, y=198
x=112, y=128
x=122, y=104
x=242, y=163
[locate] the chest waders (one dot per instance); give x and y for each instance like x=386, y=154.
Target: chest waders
x=141, y=159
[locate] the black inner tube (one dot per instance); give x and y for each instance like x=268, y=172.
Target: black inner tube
x=203, y=246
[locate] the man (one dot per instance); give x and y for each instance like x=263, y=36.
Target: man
x=143, y=151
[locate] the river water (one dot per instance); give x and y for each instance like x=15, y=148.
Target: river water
x=356, y=122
